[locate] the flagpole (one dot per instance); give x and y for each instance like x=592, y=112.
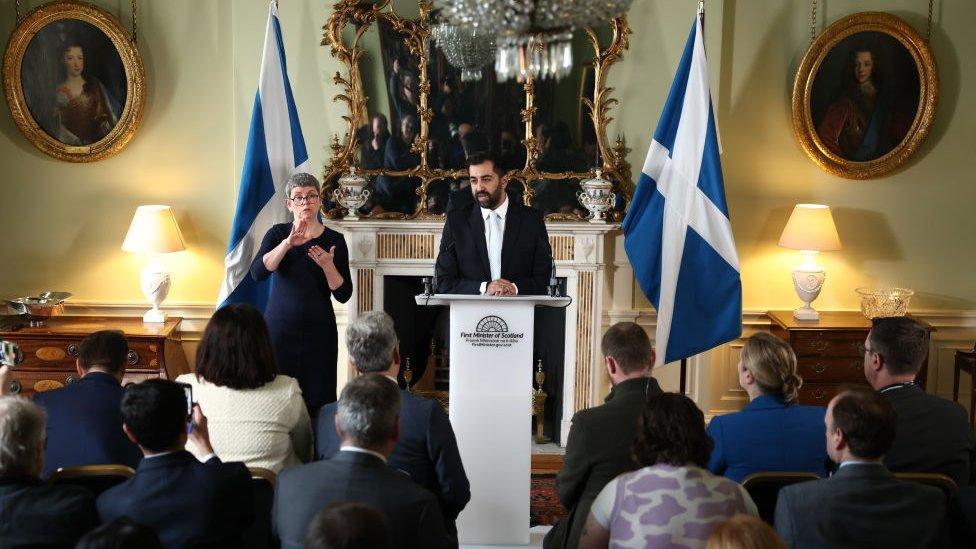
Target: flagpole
x=683, y=367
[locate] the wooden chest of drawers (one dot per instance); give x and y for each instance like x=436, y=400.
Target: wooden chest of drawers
x=829, y=351
x=50, y=351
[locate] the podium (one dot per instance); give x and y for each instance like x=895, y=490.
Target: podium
x=491, y=409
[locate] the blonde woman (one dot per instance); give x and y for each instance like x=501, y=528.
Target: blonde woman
x=773, y=432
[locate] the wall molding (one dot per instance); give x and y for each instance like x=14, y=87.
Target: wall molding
x=710, y=383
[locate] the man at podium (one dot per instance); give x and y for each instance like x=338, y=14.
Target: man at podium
x=493, y=246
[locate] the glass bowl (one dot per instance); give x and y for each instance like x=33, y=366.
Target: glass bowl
x=884, y=302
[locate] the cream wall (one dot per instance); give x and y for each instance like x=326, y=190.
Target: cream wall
x=63, y=224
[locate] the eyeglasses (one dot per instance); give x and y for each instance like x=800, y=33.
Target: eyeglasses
x=303, y=199
x=865, y=349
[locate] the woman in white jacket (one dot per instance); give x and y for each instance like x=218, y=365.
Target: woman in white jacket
x=255, y=415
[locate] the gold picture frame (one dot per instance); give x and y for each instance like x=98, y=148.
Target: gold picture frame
x=865, y=95
x=74, y=81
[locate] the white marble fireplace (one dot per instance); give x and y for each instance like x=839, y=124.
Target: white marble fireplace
x=379, y=248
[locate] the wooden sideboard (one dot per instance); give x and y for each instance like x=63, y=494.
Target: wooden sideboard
x=50, y=351
x=829, y=351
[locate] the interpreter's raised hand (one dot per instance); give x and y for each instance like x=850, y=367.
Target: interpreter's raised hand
x=199, y=432
x=321, y=257
x=297, y=237
x=500, y=287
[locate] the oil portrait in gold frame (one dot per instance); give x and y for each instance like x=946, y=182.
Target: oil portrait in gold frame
x=865, y=95
x=74, y=81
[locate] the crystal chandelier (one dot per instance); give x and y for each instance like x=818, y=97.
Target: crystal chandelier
x=534, y=36
x=466, y=48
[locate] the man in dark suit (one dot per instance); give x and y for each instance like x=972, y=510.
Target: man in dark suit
x=84, y=423
x=862, y=504
x=367, y=419
x=427, y=449
x=600, y=439
x=188, y=503
x=493, y=245
x=933, y=434
x=33, y=514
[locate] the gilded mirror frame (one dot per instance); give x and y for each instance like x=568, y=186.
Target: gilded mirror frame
x=417, y=38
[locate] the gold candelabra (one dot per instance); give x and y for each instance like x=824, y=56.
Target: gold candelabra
x=539, y=403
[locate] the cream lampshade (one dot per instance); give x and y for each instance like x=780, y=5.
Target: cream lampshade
x=811, y=230
x=154, y=231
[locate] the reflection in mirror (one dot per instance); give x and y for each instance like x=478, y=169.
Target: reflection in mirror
x=415, y=117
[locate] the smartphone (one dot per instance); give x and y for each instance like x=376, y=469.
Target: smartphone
x=188, y=395
x=10, y=353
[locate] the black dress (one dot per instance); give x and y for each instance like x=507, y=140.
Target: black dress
x=300, y=315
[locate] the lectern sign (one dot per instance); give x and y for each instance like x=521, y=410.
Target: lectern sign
x=492, y=331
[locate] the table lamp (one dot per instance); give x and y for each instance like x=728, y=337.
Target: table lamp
x=811, y=230
x=154, y=231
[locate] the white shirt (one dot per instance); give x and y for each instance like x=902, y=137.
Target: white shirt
x=362, y=451
x=502, y=211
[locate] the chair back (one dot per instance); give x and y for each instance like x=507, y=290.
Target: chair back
x=96, y=478
x=259, y=535
x=938, y=480
x=764, y=486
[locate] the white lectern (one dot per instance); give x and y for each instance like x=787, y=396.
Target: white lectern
x=491, y=409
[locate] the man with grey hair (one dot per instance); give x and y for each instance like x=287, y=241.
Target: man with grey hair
x=34, y=514
x=427, y=449
x=368, y=422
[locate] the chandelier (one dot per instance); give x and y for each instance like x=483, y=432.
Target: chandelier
x=466, y=48
x=534, y=36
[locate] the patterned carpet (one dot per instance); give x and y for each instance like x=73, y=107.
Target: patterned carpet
x=544, y=506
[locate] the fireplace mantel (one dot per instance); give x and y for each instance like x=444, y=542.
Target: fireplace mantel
x=379, y=248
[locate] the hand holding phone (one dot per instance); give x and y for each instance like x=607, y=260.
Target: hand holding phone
x=199, y=433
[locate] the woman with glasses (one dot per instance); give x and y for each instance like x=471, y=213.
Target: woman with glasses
x=772, y=432
x=310, y=263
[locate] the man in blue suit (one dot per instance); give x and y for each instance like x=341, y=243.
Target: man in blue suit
x=427, y=449
x=188, y=503
x=84, y=424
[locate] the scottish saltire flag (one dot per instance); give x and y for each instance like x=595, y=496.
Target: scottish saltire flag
x=275, y=151
x=677, y=232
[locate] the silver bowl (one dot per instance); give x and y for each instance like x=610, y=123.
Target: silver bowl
x=39, y=307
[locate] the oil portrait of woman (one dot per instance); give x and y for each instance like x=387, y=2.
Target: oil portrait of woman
x=74, y=83
x=85, y=111
x=865, y=96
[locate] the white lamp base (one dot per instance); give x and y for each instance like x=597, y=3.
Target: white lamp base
x=155, y=283
x=154, y=316
x=808, y=281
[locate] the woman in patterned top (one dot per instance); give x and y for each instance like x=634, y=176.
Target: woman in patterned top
x=672, y=501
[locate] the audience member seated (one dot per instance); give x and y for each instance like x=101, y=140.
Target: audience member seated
x=368, y=421
x=962, y=518
x=255, y=415
x=599, y=444
x=84, y=425
x=744, y=532
x=427, y=449
x=933, y=434
x=349, y=526
x=862, y=504
x=31, y=513
x=773, y=432
x=121, y=533
x=672, y=501
x=187, y=503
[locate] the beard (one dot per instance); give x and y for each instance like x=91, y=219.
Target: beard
x=489, y=200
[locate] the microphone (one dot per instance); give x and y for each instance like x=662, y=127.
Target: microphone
x=553, y=282
x=428, y=285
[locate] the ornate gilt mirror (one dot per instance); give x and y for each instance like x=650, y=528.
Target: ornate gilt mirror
x=411, y=114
